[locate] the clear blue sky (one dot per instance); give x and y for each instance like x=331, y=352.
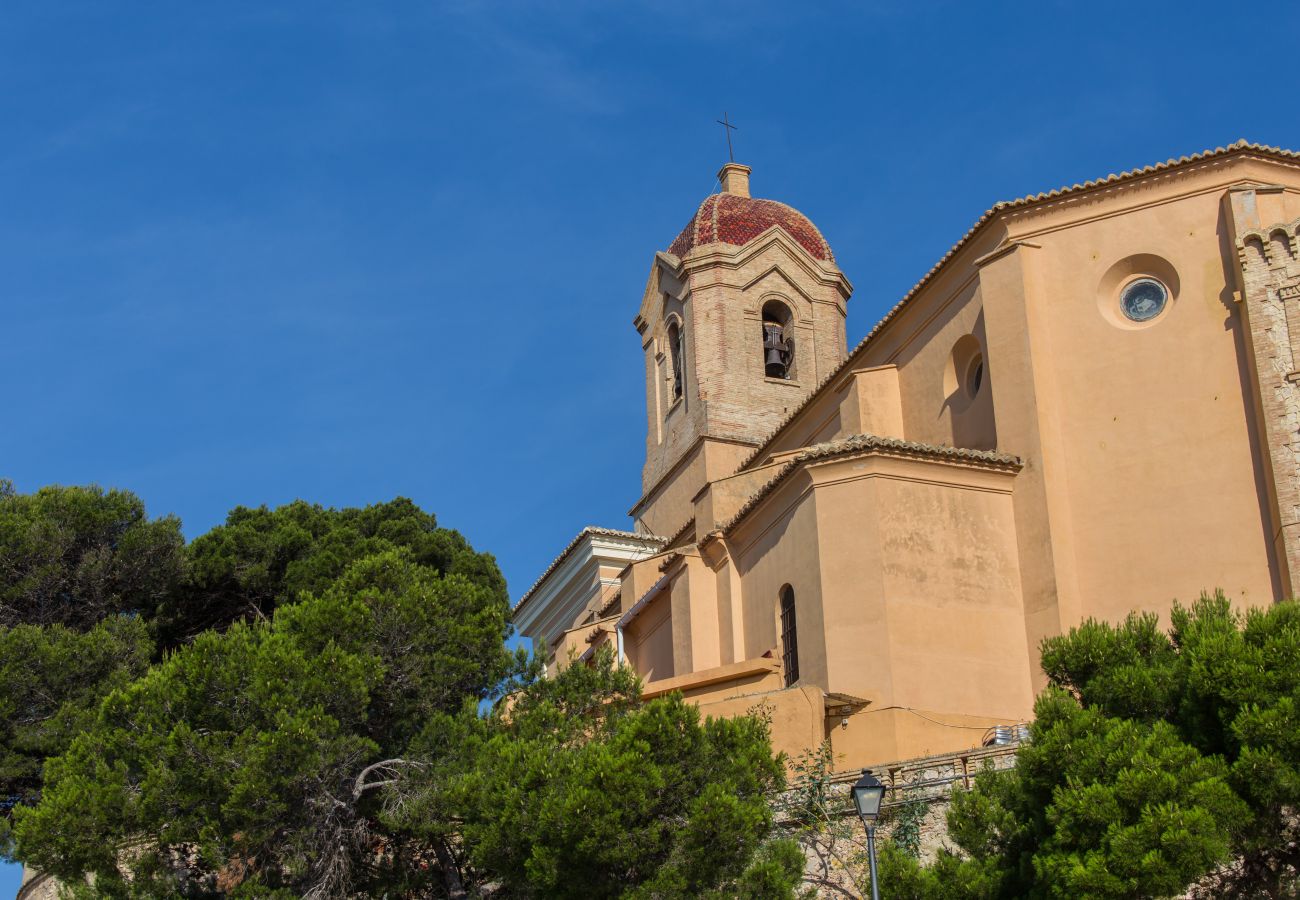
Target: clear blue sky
x=255, y=251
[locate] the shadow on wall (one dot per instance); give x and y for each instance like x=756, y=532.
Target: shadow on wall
x=968, y=392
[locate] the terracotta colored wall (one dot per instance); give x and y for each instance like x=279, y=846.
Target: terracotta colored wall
x=906, y=581
x=780, y=547
x=648, y=640
x=667, y=507
x=920, y=584
x=934, y=411
x=1166, y=497
x=796, y=715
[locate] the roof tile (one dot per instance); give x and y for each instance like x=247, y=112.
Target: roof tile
x=733, y=219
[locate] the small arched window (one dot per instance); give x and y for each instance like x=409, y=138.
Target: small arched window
x=778, y=343
x=789, y=639
x=676, y=357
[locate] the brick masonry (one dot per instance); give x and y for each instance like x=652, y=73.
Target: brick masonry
x=717, y=290
x=1269, y=257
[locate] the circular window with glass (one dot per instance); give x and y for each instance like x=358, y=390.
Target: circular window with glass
x=1143, y=299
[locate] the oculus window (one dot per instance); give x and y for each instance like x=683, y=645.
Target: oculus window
x=1144, y=299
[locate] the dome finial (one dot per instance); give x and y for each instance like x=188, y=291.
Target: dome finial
x=735, y=179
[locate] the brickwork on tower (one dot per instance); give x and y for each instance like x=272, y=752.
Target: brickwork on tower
x=737, y=256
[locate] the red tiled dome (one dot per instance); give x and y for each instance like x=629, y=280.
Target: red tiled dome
x=734, y=219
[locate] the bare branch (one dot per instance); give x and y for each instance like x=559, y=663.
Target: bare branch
x=360, y=786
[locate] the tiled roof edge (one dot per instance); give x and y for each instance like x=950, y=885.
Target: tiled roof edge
x=1001, y=206
x=589, y=530
x=609, y=604
x=863, y=444
x=689, y=523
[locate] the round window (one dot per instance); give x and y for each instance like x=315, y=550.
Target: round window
x=1143, y=299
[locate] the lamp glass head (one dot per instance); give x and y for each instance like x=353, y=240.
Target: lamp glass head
x=868, y=792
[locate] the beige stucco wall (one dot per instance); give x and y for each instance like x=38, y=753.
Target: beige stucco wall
x=648, y=639
x=795, y=714
x=1142, y=480
x=670, y=502
x=772, y=549
x=934, y=627
x=906, y=581
x=1166, y=496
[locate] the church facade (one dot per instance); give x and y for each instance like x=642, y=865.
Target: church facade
x=1090, y=405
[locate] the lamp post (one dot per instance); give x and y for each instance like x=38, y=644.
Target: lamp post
x=867, y=794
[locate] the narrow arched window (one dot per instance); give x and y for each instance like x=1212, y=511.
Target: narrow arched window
x=778, y=344
x=676, y=357
x=789, y=639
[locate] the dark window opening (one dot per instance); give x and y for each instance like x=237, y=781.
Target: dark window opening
x=676, y=355
x=789, y=640
x=976, y=376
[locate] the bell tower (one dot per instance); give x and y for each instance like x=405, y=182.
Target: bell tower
x=742, y=317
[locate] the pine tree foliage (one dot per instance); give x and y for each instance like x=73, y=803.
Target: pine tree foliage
x=256, y=758
x=324, y=734
x=262, y=557
x=52, y=681
x=75, y=555
x=1155, y=757
x=577, y=789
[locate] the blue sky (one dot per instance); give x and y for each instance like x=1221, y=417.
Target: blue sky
x=255, y=251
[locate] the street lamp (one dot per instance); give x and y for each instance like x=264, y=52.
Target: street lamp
x=867, y=794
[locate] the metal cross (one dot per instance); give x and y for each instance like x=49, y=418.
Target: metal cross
x=728, y=128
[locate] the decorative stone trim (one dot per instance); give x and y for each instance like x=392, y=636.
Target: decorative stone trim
x=573, y=544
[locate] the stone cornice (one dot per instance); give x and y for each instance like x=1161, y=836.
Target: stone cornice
x=630, y=538
x=730, y=257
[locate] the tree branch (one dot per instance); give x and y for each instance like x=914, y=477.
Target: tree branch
x=360, y=786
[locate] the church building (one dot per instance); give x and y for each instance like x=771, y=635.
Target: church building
x=1089, y=406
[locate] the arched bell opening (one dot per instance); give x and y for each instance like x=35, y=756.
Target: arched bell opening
x=778, y=341
x=677, y=358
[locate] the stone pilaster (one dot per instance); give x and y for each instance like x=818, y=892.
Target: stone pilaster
x=1269, y=259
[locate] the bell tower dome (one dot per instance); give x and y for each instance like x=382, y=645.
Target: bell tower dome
x=743, y=315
